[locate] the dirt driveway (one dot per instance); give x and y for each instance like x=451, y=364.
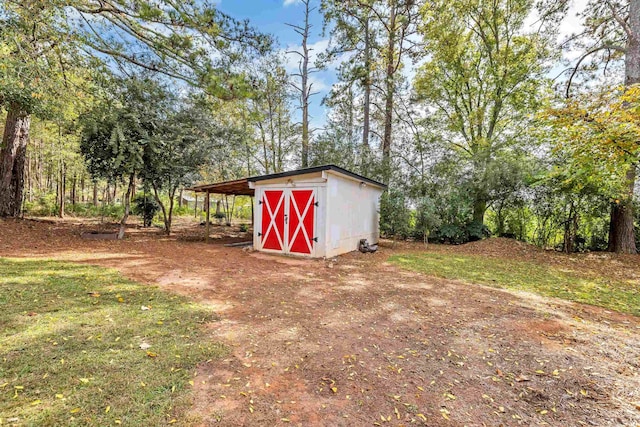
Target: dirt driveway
x=360, y=342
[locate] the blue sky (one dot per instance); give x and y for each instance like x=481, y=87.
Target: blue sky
x=271, y=16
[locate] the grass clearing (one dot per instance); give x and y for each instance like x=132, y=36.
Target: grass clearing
x=612, y=294
x=70, y=347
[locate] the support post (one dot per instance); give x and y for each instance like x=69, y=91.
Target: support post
x=208, y=220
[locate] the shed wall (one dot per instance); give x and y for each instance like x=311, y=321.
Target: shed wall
x=352, y=214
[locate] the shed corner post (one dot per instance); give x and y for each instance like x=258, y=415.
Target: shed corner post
x=208, y=220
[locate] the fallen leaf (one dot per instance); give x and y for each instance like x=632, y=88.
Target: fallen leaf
x=151, y=354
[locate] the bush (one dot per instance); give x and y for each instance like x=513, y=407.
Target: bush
x=476, y=230
x=44, y=205
x=427, y=219
x=146, y=207
x=451, y=233
x=395, y=217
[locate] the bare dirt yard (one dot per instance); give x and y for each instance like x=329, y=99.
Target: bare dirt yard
x=359, y=341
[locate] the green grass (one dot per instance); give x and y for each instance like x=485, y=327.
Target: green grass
x=617, y=295
x=70, y=351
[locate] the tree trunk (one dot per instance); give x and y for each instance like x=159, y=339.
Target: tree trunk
x=390, y=89
x=127, y=206
x=74, y=188
x=621, y=232
x=61, y=190
x=366, y=113
x=95, y=194
x=570, y=231
x=82, y=200
x=622, y=238
x=166, y=215
x=479, y=209
x=29, y=179
x=12, y=160
x=305, y=89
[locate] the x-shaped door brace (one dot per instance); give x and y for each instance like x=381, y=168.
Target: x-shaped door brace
x=300, y=225
x=272, y=219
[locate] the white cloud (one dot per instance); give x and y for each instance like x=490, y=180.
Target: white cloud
x=290, y=2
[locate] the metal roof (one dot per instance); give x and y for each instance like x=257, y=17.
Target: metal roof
x=240, y=187
x=315, y=169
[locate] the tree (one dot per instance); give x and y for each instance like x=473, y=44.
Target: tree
x=379, y=37
x=117, y=132
x=483, y=75
x=176, y=39
x=353, y=35
x=305, y=70
x=612, y=30
x=175, y=152
x=598, y=132
x=269, y=109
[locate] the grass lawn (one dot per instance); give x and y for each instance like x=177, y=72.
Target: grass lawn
x=70, y=347
x=622, y=296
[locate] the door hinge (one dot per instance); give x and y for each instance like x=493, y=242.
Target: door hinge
x=315, y=239
x=259, y=202
x=259, y=234
x=316, y=204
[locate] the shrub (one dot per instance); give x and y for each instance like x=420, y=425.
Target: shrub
x=146, y=207
x=395, y=217
x=476, y=230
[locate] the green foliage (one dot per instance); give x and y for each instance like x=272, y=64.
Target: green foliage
x=145, y=205
x=484, y=76
x=73, y=335
x=427, y=218
x=394, y=214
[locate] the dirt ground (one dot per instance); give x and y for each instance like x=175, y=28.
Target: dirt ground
x=357, y=341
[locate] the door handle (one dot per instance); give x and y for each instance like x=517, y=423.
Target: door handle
x=286, y=218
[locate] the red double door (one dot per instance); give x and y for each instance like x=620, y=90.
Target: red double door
x=288, y=220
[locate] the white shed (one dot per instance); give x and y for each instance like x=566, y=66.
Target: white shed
x=316, y=212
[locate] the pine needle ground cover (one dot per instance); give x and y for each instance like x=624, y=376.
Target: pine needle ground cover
x=546, y=280
x=81, y=345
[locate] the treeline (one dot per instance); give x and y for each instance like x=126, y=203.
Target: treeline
x=467, y=109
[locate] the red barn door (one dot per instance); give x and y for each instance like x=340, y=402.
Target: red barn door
x=300, y=236
x=273, y=219
x=288, y=221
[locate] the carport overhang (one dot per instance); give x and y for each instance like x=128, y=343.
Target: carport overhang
x=237, y=187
